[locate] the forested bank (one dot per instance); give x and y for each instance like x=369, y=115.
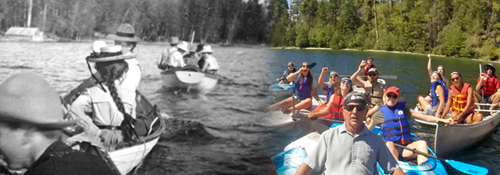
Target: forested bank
x=214, y=21
x=459, y=28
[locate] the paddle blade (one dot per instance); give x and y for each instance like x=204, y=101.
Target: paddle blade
x=467, y=168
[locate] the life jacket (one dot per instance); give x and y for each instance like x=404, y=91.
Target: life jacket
x=488, y=86
x=434, y=97
x=329, y=92
x=396, y=127
x=460, y=99
x=375, y=94
x=303, y=90
x=368, y=67
x=335, y=108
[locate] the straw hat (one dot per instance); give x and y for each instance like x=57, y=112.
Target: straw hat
x=183, y=45
x=125, y=32
x=174, y=40
x=207, y=48
x=110, y=53
x=28, y=98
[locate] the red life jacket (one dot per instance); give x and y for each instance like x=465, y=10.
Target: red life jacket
x=335, y=108
x=488, y=86
x=460, y=99
x=368, y=67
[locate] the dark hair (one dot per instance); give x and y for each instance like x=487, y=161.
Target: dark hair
x=439, y=75
x=369, y=58
x=199, y=47
x=309, y=74
x=444, y=71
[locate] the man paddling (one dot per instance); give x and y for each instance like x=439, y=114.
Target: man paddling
x=31, y=122
x=351, y=148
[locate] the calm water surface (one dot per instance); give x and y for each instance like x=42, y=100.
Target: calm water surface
x=412, y=79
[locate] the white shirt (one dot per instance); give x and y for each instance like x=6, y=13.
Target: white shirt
x=210, y=63
x=175, y=59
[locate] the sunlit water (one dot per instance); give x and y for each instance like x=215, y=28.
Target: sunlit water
x=412, y=79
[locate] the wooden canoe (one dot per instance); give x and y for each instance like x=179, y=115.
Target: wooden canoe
x=452, y=139
x=190, y=78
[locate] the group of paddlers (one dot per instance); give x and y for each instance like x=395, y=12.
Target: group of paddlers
x=383, y=105
x=178, y=56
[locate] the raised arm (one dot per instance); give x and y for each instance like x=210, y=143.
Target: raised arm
x=429, y=67
x=320, y=79
x=292, y=76
x=358, y=81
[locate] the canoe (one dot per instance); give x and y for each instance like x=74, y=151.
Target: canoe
x=128, y=156
x=452, y=139
x=279, y=119
x=417, y=109
x=288, y=161
x=189, y=78
x=430, y=167
x=280, y=91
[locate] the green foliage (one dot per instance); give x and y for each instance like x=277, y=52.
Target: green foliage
x=460, y=28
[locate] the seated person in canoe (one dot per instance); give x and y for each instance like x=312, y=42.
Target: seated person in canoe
x=436, y=101
x=305, y=89
x=106, y=110
x=333, y=108
x=193, y=56
x=488, y=85
x=173, y=57
x=394, y=116
x=350, y=148
x=210, y=64
x=373, y=89
x=31, y=131
x=440, y=69
x=461, y=100
x=288, y=71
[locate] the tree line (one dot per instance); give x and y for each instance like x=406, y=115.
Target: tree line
x=216, y=21
x=458, y=28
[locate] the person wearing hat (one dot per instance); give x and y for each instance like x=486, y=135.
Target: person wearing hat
x=339, y=149
x=373, y=89
x=488, y=85
x=440, y=69
x=288, y=71
x=333, y=108
x=104, y=107
x=394, y=117
x=31, y=129
x=461, y=100
x=174, y=56
x=192, y=57
x=210, y=65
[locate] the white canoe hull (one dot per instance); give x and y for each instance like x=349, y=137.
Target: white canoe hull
x=127, y=159
x=189, y=79
x=455, y=138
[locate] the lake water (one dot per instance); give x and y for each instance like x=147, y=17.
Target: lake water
x=412, y=79
x=220, y=133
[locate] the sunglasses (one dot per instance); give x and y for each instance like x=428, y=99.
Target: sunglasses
x=360, y=107
x=372, y=75
x=346, y=81
x=453, y=79
x=392, y=96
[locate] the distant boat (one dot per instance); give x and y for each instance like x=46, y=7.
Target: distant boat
x=23, y=34
x=189, y=77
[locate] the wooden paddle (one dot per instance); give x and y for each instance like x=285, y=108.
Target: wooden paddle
x=460, y=166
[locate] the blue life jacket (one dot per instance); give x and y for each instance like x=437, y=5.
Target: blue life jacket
x=303, y=91
x=434, y=97
x=329, y=92
x=395, y=128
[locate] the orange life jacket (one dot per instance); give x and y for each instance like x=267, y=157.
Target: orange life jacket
x=335, y=108
x=460, y=99
x=488, y=86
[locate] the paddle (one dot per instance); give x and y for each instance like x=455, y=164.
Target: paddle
x=460, y=166
x=482, y=91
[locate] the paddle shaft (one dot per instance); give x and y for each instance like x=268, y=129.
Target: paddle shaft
x=419, y=152
x=482, y=91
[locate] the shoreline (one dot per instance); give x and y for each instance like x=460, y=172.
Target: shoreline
x=378, y=51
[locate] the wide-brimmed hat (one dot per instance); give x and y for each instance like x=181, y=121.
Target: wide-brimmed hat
x=110, y=53
x=28, y=98
x=183, y=45
x=489, y=66
x=207, y=48
x=125, y=32
x=173, y=40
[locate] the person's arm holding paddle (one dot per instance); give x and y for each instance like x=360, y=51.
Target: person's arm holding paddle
x=479, y=82
x=358, y=81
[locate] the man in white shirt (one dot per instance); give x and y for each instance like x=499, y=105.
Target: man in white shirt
x=210, y=66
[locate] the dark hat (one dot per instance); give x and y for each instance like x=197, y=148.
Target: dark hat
x=110, y=53
x=28, y=98
x=489, y=65
x=125, y=32
x=357, y=97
